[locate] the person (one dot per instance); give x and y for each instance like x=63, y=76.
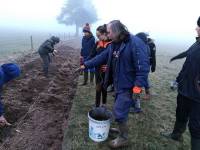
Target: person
x=127, y=68
x=152, y=48
x=100, y=46
x=44, y=50
x=136, y=108
x=88, y=43
x=7, y=73
x=188, y=99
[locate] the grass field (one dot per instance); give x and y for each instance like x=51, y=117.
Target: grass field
x=144, y=129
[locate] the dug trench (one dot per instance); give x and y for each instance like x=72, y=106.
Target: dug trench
x=38, y=107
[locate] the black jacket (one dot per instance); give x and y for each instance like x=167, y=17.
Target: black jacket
x=189, y=77
x=46, y=47
x=152, y=48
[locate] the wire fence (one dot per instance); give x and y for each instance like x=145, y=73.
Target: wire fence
x=14, y=45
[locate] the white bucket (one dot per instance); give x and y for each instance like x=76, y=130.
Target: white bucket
x=98, y=130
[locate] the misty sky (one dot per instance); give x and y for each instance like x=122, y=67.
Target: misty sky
x=163, y=19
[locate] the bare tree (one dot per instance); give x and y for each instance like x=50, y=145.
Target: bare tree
x=77, y=12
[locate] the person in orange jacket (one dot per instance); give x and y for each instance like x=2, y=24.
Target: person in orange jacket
x=101, y=45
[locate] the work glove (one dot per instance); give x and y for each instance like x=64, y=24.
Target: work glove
x=54, y=52
x=81, y=68
x=137, y=91
x=4, y=122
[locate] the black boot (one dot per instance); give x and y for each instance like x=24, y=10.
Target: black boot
x=91, y=77
x=122, y=139
x=85, y=78
x=98, y=95
x=179, y=129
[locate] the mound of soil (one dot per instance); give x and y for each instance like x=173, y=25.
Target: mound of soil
x=37, y=106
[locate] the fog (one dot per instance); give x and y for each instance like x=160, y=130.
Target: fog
x=171, y=21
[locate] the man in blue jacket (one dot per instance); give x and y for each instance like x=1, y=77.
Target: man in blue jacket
x=188, y=99
x=128, y=66
x=7, y=73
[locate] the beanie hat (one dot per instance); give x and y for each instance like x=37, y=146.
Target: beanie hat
x=10, y=71
x=198, y=22
x=86, y=28
x=55, y=39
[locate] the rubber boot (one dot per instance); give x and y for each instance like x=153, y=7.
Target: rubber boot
x=85, y=78
x=195, y=144
x=98, y=95
x=179, y=129
x=122, y=139
x=136, y=107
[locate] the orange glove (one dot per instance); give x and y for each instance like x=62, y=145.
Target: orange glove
x=137, y=90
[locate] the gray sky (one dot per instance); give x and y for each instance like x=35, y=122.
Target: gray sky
x=171, y=19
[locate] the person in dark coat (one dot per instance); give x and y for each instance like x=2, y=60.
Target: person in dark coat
x=127, y=68
x=152, y=47
x=188, y=99
x=88, y=43
x=7, y=73
x=136, y=106
x=152, y=58
x=44, y=50
x=100, y=46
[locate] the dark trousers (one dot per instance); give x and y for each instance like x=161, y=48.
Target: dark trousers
x=188, y=110
x=100, y=91
x=46, y=61
x=123, y=102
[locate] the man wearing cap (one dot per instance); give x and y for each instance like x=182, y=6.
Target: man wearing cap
x=188, y=99
x=7, y=73
x=44, y=50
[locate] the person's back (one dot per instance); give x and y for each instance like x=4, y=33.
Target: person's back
x=152, y=48
x=48, y=46
x=44, y=50
x=143, y=37
x=7, y=73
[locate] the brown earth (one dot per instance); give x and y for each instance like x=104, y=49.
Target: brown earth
x=38, y=107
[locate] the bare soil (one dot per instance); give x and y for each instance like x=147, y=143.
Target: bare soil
x=37, y=106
